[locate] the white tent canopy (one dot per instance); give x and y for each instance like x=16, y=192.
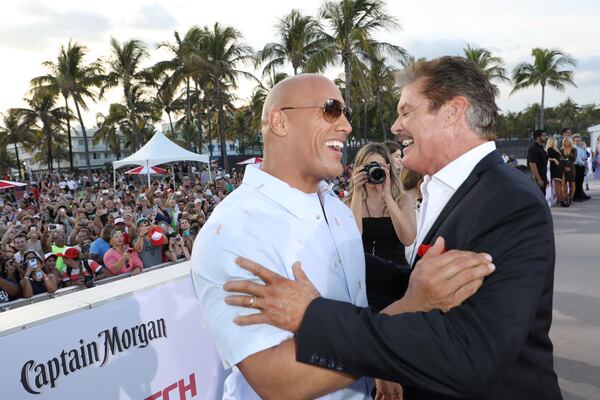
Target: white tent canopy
x=160, y=150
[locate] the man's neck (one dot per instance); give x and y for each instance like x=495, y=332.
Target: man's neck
x=458, y=152
x=290, y=176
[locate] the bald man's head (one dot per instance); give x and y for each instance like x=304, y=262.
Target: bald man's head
x=301, y=146
x=290, y=92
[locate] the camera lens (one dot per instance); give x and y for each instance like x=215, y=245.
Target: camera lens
x=375, y=174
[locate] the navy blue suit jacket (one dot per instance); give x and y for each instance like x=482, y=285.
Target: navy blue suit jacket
x=495, y=345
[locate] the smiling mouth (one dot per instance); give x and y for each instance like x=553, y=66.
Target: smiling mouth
x=405, y=142
x=335, y=145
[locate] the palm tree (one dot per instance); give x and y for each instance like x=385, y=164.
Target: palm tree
x=352, y=24
x=186, y=67
x=42, y=105
x=71, y=77
x=55, y=141
x=17, y=128
x=224, y=52
x=126, y=71
x=299, y=38
x=546, y=70
x=109, y=126
x=7, y=160
x=566, y=112
x=491, y=66
x=382, y=86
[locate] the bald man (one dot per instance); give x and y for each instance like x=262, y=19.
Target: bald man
x=285, y=212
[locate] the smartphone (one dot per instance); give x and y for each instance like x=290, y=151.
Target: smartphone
x=32, y=264
x=129, y=250
x=52, y=227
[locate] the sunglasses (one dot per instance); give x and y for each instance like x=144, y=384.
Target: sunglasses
x=332, y=110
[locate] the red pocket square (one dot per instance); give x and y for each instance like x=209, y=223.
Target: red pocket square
x=424, y=248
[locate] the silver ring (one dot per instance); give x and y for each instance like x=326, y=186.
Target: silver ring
x=251, y=301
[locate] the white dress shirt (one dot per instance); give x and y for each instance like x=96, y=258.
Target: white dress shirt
x=439, y=188
x=269, y=222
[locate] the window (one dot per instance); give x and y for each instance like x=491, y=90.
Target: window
x=80, y=142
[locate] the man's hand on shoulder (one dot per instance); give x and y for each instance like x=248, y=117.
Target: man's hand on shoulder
x=443, y=280
x=282, y=302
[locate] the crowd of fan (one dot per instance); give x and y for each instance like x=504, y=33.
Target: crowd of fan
x=67, y=230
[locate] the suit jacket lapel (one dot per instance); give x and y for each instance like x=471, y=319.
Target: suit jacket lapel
x=493, y=158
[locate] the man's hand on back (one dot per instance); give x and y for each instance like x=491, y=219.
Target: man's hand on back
x=441, y=281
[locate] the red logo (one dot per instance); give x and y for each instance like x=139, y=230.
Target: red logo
x=183, y=389
x=424, y=248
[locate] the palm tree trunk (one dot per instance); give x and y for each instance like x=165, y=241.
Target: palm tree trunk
x=171, y=124
x=209, y=117
x=222, y=125
x=199, y=117
x=85, y=141
x=132, y=117
x=381, y=121
x=542, y=109
x=188, y=113
x=18, y=161
x=366, y=126
x=48, y=135
x=346, y=98
x=69, y=133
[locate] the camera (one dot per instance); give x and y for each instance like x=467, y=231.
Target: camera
x=52, y=227
x=88, y=281
x=375, y=172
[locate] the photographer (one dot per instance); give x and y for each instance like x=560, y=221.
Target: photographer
x=54, y=241
x=177, y=248
x=9, y=276
x=149, y=243
x=385, y=216
x=121, y=259
x=78, y=271
x=35, y=280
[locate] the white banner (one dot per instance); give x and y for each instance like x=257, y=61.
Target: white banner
x=148, y=345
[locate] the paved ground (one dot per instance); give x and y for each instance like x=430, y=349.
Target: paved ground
x=576, y=326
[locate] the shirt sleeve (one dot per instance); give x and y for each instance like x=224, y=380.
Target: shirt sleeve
x=213, y=264
x=532, y=155
x=94, y=248
x=94, y=266
x=110, y=258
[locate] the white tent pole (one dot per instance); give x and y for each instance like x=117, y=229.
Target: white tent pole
x=114, y=178
x=173, y=173
x=148, y=173
x=209, y=172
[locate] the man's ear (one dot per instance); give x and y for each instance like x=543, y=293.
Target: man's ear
x=455, y=110
x=277, y=123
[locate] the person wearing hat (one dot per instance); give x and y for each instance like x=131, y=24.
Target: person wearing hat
x=149, y=243
x=79, y=272
x=35, y=280
x=50, y=267
x=120, y=225
x=121, y=259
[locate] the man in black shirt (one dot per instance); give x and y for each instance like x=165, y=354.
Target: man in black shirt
x=537, y=158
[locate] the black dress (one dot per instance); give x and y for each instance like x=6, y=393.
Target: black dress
x=556, y=170
x=567, y=162
x=386, y=266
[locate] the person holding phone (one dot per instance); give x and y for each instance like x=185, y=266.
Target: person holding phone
x=35, y=280
x=177, y=248
x=122, y=259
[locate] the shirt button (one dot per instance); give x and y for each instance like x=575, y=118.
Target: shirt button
x=318, y=216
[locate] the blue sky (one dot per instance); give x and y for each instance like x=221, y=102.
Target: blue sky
x=31, y=31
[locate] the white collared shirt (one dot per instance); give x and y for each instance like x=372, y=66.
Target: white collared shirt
x=439, y=188
x=269, y=222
